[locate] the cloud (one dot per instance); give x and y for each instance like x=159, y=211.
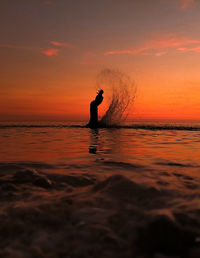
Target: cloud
x=50, y=52
x=156, y=46
x=17, y=47
x=54, y=51
x=61, y=44
x=161, y=53
x=183, y=49
x=186, y=4
x=170, y=40
x=195, y=49
x=133, y=51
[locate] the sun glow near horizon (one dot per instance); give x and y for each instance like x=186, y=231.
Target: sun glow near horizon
x=51, y=57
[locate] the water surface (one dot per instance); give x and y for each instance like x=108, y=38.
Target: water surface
x=118, y=185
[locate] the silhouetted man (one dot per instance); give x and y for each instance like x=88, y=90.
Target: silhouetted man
x=93, y=123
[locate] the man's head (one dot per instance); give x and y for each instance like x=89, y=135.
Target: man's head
x=100, y=92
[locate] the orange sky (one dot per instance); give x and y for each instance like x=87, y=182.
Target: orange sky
x=52, y=51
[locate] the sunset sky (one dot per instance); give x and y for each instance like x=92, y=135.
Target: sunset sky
x=52, y=51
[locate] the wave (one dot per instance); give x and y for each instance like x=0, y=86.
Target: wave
x=133, y=126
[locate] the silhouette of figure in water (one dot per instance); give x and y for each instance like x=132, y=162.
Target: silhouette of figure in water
x=93, y=123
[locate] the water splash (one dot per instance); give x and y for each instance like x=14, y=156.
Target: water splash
x=123, y=92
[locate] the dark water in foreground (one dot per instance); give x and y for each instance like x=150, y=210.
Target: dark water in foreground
x=69, y=191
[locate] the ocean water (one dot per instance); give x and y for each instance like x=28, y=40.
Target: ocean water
x=124, y=191
x=149, y=146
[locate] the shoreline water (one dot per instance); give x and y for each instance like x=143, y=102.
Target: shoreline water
x=145, y=125
x=47, y=214
x=77, y=192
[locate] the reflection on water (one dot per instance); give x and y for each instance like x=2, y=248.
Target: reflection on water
x=154, y=149
x=94, y=135
x=104, y=184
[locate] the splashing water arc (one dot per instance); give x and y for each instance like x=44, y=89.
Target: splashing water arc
x=122, y=91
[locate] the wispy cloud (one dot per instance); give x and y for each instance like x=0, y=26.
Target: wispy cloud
x=186, y=4
x=156, y=46
x=54, y=51
x=50, y=52
x=161, y=53
x=62, y=44
x=195, y=49
x=11, y=46
x=47, y=52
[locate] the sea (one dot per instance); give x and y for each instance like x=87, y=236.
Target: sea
x=129, y=190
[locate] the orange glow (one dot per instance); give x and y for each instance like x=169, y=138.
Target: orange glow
x=51, y=73
x=51, y=52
